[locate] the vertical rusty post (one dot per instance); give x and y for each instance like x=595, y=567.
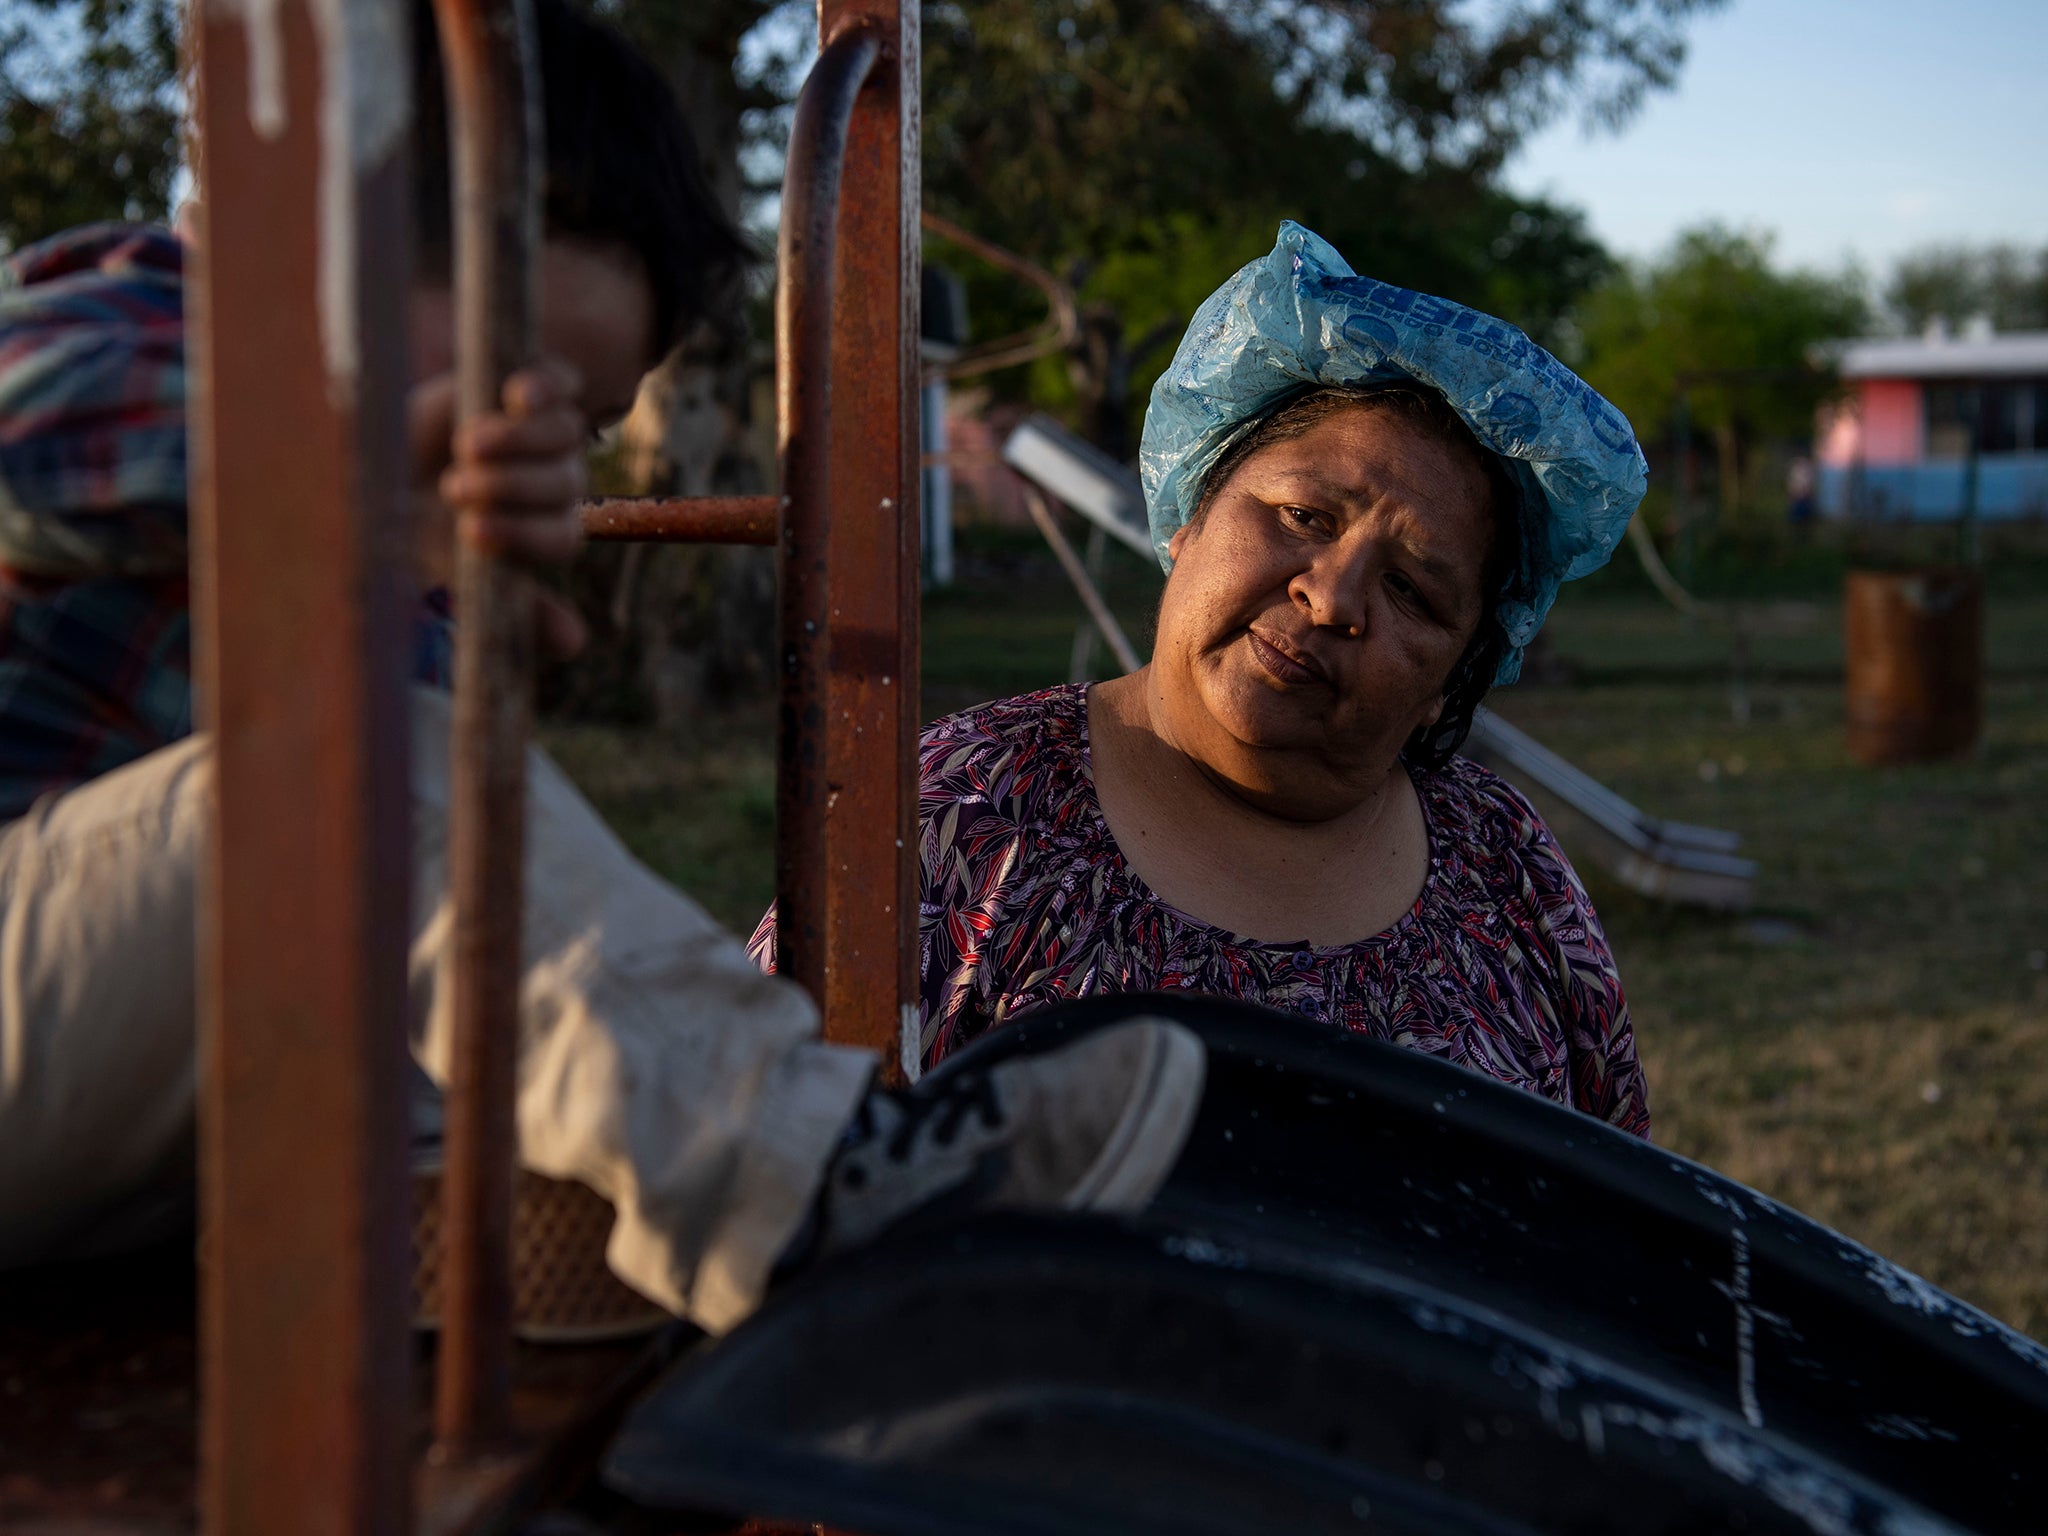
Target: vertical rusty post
x=853, y=572
x=494, y=131
x=298, y=370
x=872, y=711
x=804, y=401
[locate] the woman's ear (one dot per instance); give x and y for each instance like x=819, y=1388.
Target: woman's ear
x=1180, y=537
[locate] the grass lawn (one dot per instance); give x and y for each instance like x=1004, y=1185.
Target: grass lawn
x=1869, y=1044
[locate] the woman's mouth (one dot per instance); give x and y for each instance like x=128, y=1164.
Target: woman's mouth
x=1285, y=666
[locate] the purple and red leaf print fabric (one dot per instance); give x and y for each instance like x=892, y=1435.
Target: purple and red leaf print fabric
x=1500, y=966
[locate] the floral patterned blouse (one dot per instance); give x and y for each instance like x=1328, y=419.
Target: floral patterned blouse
x=1499, y=966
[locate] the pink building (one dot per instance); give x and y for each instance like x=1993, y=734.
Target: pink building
x=1923, y=418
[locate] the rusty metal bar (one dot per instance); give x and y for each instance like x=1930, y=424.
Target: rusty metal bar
x=683, y=520
x=298, y=366
x=871, y=717
x=807, y=246
x=495, y=139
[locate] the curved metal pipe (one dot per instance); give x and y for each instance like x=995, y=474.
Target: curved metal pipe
x=1055, y=333
x=806, y=253
x=488, y=52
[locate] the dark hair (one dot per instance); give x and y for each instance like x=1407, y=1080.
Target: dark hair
x=1435, y=745
x=621, y=167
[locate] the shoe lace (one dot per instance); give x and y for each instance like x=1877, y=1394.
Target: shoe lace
x=945, y=1109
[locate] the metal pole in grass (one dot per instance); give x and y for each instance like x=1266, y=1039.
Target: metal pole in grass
x=1681, y=499
x=1967, y=548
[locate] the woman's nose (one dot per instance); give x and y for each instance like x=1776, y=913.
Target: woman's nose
x=1332, y=593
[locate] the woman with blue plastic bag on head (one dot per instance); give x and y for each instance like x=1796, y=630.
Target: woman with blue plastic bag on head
x=1365, y=499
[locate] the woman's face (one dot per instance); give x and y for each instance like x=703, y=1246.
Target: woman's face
x=1316, y=610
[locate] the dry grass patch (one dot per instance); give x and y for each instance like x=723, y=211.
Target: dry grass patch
x=1924, y=1139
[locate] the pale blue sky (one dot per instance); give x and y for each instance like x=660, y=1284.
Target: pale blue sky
x=1848, y=128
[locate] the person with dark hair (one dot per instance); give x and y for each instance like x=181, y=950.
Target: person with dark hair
x=1365, y=499
x=656, y=1064
x=620, y=170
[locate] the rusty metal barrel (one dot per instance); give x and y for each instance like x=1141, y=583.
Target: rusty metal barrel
x=1914, y=663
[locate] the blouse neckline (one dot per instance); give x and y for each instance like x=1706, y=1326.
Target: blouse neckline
x=1121, y=869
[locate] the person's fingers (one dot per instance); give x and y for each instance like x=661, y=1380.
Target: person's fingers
x=517, y=475
x=553, y=433
x=541, y=386
x=429, y=425
x=563, y=633
x=524, y=540
x=540, y=487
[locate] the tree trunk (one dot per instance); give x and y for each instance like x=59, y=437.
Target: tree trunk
x=1728, y=469
x=1100, y=365
x=1100, y=369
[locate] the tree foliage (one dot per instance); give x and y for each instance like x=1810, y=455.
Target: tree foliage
x=1451, y=82
x=88, y=113
x=1142, y=147
x=1715, y=322
x=1150, y=146
x=2004, y=284
x=1715, y=315
x=1108, y=98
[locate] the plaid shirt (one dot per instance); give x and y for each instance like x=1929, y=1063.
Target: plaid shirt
x=95, y=631
x=95, y=624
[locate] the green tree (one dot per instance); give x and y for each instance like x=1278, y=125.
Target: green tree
x=1134, y=147
x=88, y=113
x=1454, y=83
x=1145, y=147
x=1956, y=284
x=89, y=100
x=1714, y=322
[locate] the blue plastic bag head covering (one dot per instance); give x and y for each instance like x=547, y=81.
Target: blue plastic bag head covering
x=1301, y=318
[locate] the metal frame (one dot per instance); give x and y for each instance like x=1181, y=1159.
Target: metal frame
x=301, y=527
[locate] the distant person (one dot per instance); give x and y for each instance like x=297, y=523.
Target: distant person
x=1799, y=490
x=657, y=1065
x=1366, y=500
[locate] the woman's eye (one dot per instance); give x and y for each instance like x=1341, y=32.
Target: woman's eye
x=1302, y=518
x=1405, y=589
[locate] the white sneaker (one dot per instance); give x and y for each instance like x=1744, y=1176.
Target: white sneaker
x=1093, y=1126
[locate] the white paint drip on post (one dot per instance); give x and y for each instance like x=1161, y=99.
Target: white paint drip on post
x=263, y=32
x=365, y=110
